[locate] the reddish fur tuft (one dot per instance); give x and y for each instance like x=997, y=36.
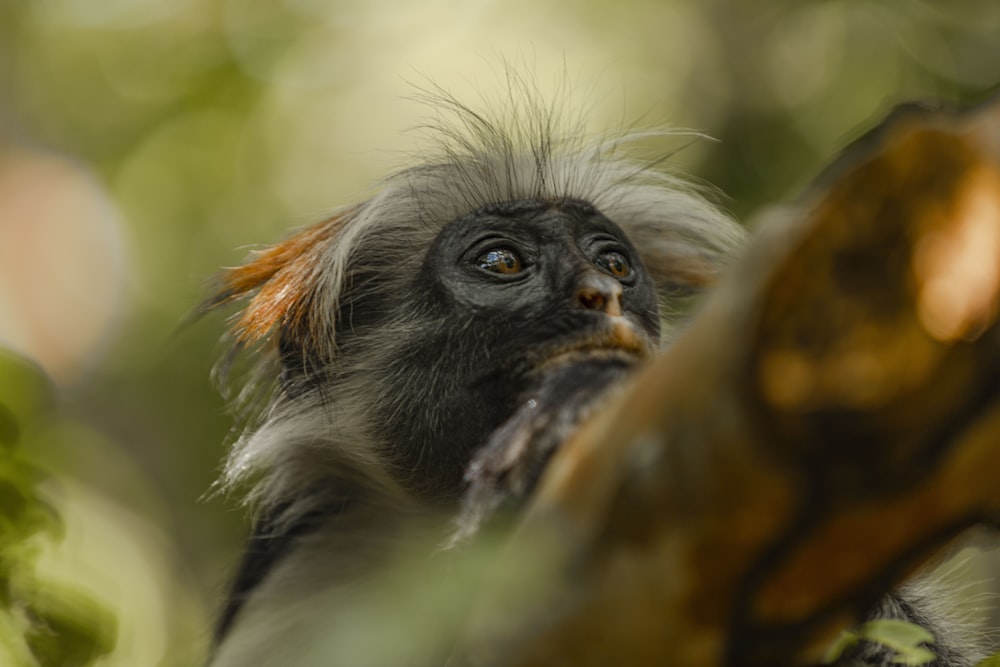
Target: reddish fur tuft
x=285, y=277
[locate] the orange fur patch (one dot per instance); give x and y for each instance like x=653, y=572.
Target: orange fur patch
x=285, y=278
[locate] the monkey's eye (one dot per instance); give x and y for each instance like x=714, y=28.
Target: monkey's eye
x=614, y=263
x=500, y=260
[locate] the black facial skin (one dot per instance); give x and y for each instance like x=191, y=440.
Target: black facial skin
x=512, y=288
x=559, y=245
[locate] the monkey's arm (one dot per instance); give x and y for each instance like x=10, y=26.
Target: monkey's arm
x=829, y=420
x=503, y=474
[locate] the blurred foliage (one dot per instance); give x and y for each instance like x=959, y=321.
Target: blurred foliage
x=41, y=623
x=145, y=143
x=907, y=641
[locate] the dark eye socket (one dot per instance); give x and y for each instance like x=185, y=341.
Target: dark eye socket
x=614, y=263
x=500, y=260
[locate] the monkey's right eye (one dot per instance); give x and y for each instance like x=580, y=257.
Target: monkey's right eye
x=500, y=260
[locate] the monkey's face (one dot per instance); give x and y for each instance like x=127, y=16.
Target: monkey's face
x=543, y=282
x=515, y=292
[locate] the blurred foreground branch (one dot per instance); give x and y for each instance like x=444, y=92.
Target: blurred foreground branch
x=828, y=422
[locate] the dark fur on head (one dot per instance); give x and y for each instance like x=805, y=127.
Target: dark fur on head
x=366, y=415
x=335, y=312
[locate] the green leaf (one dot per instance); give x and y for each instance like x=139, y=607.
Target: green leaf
x=904, y=638
x=41, y=625
x=25, y=393
x=894, y=632
x=70, y=629
x=843, y=644
x=10, y=431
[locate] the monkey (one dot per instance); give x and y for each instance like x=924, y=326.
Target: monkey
x=420, y=355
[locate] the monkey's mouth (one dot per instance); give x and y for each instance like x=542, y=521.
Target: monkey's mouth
x=620, y=339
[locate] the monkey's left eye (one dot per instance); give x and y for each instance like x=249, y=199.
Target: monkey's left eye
x=614, y=263
x=500, y=260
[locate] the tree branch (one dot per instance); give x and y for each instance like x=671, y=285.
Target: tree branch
x=828, y=422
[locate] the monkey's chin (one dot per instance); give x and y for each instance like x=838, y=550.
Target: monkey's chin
x=618, y=340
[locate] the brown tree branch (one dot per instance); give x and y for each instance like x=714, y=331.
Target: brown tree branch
x=829, y=421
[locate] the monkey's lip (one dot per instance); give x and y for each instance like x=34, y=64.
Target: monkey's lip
x=619, y=339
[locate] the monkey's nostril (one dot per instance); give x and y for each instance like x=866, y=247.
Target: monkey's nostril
x=599, y=300
x=595, y=291
x=591, y=299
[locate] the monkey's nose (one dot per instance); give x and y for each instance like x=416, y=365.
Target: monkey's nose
x=595, y=291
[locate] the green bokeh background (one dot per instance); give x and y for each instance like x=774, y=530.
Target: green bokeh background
x=146, y=143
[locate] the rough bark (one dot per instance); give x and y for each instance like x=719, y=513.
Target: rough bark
x=828, y=421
